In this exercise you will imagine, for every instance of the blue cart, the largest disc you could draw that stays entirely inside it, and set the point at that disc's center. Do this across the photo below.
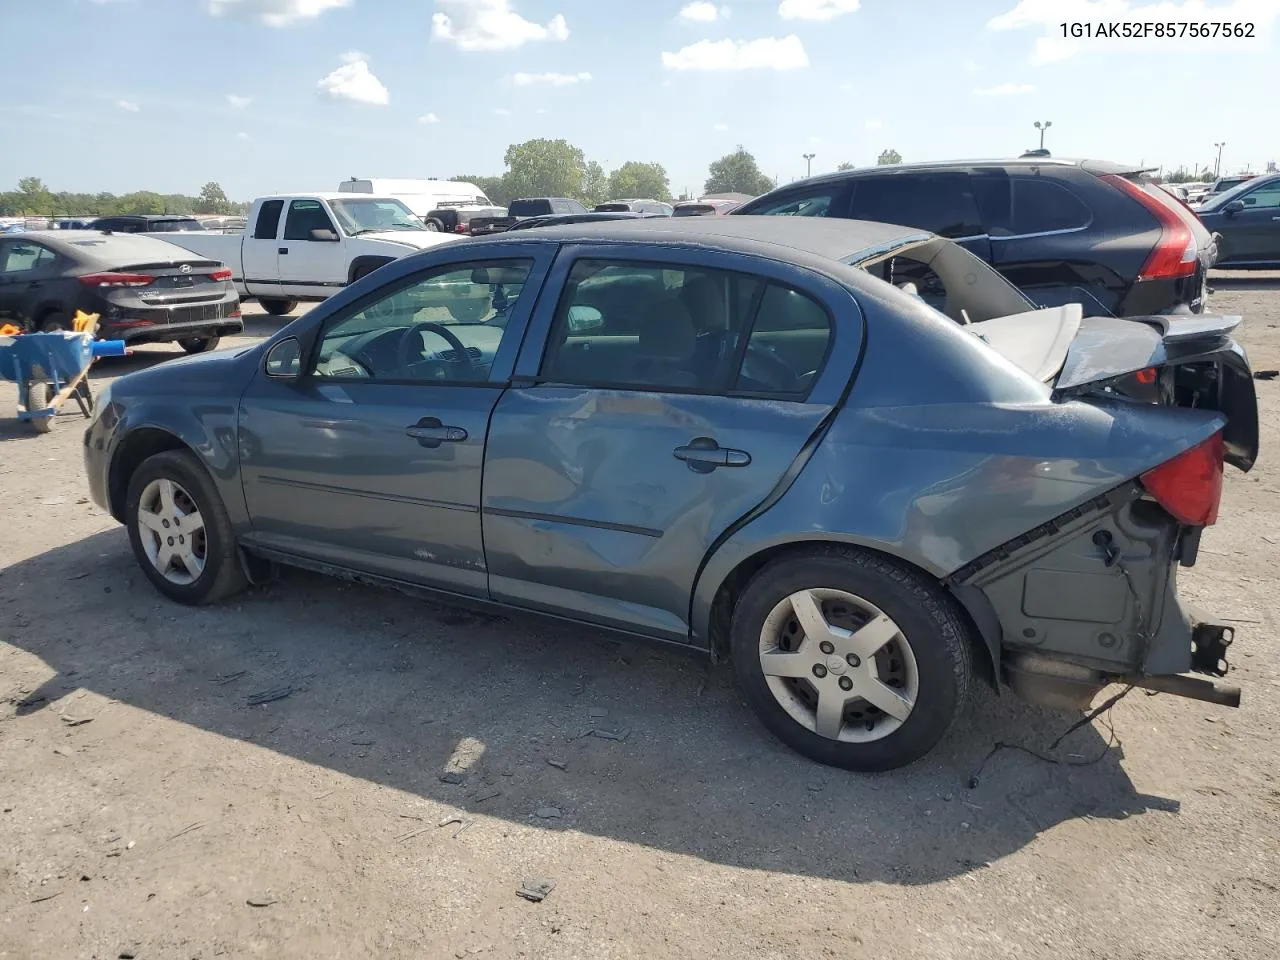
(50, 369)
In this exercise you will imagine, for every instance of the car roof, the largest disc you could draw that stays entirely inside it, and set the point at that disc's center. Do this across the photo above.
(110, 249)
(327, 195)
(149, 217)
(829, 238)
(1097, 167)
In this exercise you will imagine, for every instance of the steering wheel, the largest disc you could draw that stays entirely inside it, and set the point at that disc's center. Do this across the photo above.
(407, 341)
(785, 376)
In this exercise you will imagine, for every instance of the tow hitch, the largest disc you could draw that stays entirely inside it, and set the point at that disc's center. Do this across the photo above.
(1209, 643)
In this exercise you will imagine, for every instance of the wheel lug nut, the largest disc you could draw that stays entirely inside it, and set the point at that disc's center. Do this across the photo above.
(827, 647)
(854, 660)
(819, 671)
(171, 541)
(846, 683)
(165, 522)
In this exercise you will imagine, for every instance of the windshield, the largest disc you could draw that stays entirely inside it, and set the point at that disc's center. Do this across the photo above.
(1222, 199)
(374, 216)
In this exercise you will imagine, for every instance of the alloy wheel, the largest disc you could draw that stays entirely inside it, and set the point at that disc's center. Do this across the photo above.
(172, 531)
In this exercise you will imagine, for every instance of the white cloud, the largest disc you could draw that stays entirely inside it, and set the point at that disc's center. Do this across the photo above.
(701, 11)
(501, 112)
(549, 79)
(129, 106)
(242, 135)
(767, 53)
(428, 118)
(1047, 16)
(816, 9)
(490, 25)
(354, 81)
(238, 102)
(275, 13)
(1005, 90)
(873, 124)
(720, 127)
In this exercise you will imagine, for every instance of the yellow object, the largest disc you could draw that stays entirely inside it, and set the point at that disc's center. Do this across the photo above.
(84, 322)
(9, 330)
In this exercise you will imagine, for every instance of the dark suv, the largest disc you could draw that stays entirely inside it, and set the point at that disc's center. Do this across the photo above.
(146, 223)
(1087, 231)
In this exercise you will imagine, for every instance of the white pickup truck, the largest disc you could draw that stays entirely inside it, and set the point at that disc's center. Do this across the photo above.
(309, 246)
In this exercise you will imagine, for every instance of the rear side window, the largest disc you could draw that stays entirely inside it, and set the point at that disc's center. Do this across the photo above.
(174, 226)
(943, 203)
(818, 203)
(1043, 206)
(529, 208)
(268, 226)
(652, 326)
(22, 256)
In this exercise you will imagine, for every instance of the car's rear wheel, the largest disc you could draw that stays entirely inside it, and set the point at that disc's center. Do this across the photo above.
(199, 344)
(180, 532)
(277, 307)
(850, 658)
(54, 322)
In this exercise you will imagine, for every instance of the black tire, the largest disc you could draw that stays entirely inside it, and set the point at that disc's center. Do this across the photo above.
(435, 226)
(468, 311)
(276, 307)
(199, 344)
(928, 619)
(38, 397)
(222, 576)
(53, 322)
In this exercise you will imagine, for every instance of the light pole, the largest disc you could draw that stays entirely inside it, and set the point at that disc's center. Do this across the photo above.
(808, 164)
(1217, 164)
(1042, 127)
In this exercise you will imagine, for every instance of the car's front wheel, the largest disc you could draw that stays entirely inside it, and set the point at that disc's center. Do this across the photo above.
(180, 532)
(850, 658)
(199, 344)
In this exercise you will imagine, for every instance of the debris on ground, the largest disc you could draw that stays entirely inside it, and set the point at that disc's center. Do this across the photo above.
(486, 794)
(451, 776)
(536, 890)
(1266, 374)
(263, 901)
(270, 696)
(548, 813)
(612, 734)
(558, 764)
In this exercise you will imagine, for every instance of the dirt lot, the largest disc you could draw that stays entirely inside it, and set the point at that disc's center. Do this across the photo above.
(150, 811)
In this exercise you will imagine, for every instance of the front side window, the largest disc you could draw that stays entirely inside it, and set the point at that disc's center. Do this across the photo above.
(648, 326)
(1263, 198)
(305, 216)
(444, 327)
(22, 256)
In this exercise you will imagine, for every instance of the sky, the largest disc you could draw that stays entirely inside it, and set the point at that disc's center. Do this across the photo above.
(296, 95)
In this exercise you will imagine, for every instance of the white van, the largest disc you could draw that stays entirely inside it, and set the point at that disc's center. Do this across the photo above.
(420, 196)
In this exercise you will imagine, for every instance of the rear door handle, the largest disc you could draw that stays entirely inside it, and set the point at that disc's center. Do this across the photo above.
(430, 433)
(282, 250)
(703, 455)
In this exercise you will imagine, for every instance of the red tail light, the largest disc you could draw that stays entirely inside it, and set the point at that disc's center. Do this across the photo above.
(117, 280)
(460, 228)
(1176, 253)
(219, 275)
(1190, 485)
(235, 313)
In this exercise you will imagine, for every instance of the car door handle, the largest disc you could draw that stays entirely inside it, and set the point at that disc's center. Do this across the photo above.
(703, 455)
(282, 250)
(1275, 218)
(430, 433)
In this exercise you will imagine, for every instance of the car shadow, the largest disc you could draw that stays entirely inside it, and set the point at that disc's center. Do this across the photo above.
(624, 741)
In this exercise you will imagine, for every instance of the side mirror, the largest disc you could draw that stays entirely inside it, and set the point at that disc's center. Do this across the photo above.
(584, 318)
(284, 360)
(324, 235)
(1235, 206)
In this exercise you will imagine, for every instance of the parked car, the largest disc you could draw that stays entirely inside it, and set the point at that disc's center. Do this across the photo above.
(704, 208)
(420, 196)
(1062, 231)
(648, 208)
(521, 209)
(457, 219)
(1223, 184)
(308, 246)
(730, 434)
(1246, 221)
(144, 290)
(559, 219)
(146, 223)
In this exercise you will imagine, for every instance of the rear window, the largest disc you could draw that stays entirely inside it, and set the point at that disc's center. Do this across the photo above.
(613, 208)
(941, 202)
(699, 210)
(529, 208)
(174, 226)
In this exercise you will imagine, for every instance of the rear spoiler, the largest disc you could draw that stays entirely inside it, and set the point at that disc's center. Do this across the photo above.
(1107, 351)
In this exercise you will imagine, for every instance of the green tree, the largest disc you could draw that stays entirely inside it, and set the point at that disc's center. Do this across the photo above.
(143, 202)
(646, 181)
(737, 172)
(34, 197)
(595, 185)
(212, 199)
(494, 188)
(888, 156)
(846, 165)
(544, 168)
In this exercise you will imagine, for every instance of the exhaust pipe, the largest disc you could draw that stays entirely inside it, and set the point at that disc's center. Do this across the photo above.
(1193, 688)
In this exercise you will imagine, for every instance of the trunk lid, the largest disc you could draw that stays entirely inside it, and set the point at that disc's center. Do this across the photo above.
(182, 282)
(1180, 361)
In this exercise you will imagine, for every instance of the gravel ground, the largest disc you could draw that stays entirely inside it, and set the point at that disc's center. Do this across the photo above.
(426, 762)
